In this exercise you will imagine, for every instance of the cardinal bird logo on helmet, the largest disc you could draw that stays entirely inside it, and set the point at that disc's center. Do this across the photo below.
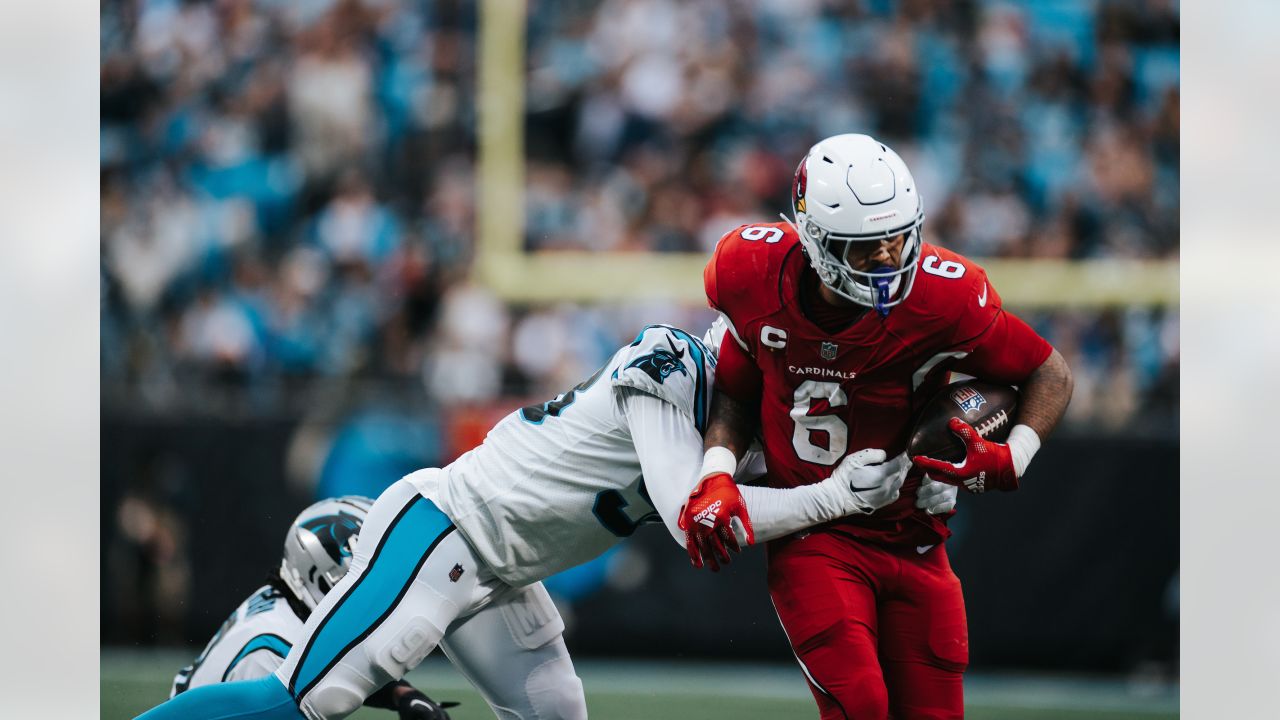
(799, 185)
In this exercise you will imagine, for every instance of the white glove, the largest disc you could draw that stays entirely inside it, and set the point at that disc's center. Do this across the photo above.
(936, 497)
(871, 482)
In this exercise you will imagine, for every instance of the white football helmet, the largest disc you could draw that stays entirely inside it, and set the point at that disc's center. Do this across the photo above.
(851, 189)
(317, 550)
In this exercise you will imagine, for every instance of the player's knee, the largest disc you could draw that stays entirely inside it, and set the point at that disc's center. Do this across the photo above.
(555, 691)
(331, 701)
(407, 643)
(337, 696)
(949, 650)
(932, 690)
(843, 663)
(862, 695)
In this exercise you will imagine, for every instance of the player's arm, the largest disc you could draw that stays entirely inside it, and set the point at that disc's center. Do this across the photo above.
(668, 445)
(1009, 352)
(735, 409)
(720, 516)
(1045, 395)
(714, 516)
(862, 483)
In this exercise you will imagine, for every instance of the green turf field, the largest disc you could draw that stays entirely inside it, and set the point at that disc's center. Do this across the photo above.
(619, 690)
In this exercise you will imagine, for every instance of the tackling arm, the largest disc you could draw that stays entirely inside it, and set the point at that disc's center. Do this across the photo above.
(668, 445)
(776, 512)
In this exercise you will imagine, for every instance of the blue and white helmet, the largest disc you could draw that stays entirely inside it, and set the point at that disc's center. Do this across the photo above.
(851, 189)
(318, 548)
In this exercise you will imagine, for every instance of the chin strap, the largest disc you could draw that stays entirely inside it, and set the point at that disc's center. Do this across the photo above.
(882, 287)
(790, 222)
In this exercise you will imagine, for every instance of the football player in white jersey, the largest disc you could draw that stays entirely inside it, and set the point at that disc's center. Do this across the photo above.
(256, 638)
(453, 556)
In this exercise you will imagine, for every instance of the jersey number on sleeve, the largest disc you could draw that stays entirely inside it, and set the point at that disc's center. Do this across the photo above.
(949, 269)
(611, 505)
(813, 428)
(535, 414)
(761, 232)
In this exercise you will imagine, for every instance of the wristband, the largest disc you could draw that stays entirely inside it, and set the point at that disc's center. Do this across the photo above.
(718, 460)
(1023, 443)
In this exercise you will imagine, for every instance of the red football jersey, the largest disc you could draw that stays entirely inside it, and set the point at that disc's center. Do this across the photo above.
(824, 395)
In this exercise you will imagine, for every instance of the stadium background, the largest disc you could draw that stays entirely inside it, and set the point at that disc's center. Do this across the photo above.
(340, 239)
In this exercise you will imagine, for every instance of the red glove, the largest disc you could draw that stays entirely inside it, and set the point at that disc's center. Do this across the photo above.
(705, 520)
(986, 464)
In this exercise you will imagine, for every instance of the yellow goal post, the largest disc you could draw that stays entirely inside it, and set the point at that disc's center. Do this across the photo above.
(547, 277)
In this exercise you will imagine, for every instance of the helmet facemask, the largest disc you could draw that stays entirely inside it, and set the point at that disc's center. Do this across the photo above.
(881, 287)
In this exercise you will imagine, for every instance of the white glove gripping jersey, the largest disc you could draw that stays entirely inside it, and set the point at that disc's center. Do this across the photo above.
(250, 644)
(556, 484)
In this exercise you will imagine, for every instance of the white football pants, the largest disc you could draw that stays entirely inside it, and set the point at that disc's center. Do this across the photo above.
(415, 583)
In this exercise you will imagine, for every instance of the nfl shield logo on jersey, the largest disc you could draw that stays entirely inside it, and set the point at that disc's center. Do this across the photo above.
(828, 351)
(968, 399)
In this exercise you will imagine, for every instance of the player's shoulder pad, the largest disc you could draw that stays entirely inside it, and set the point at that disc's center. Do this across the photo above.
(671, 364)
(954, 292)
(741, 279)
(951, 281)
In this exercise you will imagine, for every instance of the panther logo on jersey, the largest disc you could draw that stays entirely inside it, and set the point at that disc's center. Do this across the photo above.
(335, 533)
(661, 363)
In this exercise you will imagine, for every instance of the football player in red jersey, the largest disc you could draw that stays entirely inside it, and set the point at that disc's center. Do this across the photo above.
(841, 325)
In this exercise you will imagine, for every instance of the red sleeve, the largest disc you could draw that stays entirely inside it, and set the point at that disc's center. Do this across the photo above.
(742, 272)
(737, 374)
(1009, 351)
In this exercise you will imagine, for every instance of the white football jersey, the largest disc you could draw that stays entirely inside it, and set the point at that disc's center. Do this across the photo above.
(250, 644)
(554, 485)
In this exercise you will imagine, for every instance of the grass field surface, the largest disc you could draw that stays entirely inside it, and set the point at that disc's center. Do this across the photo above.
(624, 690)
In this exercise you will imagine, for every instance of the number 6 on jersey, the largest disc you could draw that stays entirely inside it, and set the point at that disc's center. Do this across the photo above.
(807, 425)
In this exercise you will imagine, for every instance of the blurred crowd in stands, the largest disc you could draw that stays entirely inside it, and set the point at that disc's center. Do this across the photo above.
(288, 195)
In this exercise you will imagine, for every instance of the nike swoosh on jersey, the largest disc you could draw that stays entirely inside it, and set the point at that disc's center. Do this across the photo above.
(982, 299)
(922, 549)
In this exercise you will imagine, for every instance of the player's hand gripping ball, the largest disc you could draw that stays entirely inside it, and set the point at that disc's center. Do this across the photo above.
(959, 436)
(707, 521)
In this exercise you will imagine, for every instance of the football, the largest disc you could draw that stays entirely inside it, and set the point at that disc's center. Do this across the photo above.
(988, 407)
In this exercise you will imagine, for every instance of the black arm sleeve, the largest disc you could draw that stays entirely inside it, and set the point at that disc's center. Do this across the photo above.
(385, 698)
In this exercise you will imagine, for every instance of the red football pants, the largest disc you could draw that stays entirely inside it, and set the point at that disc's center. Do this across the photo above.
(879, 632)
